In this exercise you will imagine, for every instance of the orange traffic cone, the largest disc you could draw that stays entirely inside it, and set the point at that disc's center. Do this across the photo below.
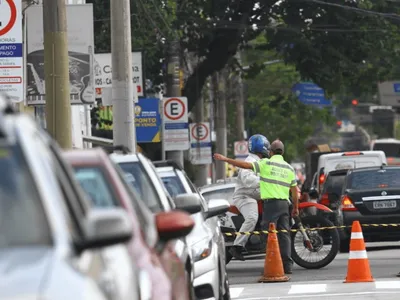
(358, 269)
(273, 266)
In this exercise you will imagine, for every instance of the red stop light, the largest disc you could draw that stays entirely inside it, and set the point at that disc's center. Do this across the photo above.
(354, 102)
(339, 123)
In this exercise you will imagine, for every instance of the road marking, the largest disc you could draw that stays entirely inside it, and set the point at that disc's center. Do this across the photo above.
(319, 295)
(235, 292)
(307, 288)
(387, 284)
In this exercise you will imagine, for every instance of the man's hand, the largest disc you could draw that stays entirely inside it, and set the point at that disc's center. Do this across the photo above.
(218, 156)
(295, 211)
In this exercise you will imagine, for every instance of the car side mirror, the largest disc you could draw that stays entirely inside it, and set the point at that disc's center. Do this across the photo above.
(106, 227)
(217, 207)
(173, 225)
(313, 193)
(189, 203)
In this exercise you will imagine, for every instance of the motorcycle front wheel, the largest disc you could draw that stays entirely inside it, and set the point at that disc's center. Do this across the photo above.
(325, 243)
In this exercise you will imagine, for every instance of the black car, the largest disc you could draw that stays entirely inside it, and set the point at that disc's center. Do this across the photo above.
(371, 196)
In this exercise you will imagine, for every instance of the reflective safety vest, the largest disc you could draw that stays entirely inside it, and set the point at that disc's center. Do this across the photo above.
(276, 177)
(106, 117)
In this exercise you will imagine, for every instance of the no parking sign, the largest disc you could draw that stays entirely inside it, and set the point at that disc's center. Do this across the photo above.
(200, 143)
(175, 124)
(241, 149)
(11, 63)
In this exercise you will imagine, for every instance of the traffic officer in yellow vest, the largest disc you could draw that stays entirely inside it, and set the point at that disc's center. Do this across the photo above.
(277, 180)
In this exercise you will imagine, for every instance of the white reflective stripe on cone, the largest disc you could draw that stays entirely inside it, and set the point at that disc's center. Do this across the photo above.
(358, 254)
(357, 235)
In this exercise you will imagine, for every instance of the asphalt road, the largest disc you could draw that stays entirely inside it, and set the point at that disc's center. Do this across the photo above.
(326, 283)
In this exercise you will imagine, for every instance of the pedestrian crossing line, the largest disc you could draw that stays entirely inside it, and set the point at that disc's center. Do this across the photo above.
(235, 292)
(387, 284)
(307, 288)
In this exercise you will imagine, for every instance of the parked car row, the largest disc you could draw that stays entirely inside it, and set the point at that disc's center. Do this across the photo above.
(360, 186)
(105, 224)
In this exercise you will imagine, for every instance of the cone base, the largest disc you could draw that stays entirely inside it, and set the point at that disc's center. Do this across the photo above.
(359, 280)
(273, 279)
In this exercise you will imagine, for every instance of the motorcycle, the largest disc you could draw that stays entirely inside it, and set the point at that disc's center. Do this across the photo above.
(312, 242)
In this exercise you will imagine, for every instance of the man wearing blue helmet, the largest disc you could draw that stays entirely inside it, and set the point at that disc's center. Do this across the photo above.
(247, 192)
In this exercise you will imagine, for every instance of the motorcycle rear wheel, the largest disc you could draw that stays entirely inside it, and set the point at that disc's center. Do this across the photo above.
(312, 222)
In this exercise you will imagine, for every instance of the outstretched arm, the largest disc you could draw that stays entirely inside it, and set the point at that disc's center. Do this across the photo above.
(234, 162)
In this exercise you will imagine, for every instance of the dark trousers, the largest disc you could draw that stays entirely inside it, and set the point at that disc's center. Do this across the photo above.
(278, 212)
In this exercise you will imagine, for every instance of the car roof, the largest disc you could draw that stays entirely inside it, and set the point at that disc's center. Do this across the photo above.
(164, 169)
(120, 158)
(373, 169)
(217, 186)
(340, 154)
(85, 156)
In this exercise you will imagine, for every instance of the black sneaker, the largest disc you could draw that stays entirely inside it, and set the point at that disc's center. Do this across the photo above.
(288, 269)
(236, 252)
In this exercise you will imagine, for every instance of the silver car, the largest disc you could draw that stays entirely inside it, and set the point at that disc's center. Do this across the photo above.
(52, 245)
(206, 239)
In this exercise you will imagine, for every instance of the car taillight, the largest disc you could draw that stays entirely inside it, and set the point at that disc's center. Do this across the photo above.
(321, 178)
(347, 204)
(324, 199)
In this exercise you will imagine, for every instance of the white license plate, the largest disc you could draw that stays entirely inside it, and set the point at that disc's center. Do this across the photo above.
(384, 204)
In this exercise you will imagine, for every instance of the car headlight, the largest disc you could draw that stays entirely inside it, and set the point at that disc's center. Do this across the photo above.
(202, 249)
(145, 285)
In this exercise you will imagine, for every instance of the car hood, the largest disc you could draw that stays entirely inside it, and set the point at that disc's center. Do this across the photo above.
(22, 271)
(200, 230)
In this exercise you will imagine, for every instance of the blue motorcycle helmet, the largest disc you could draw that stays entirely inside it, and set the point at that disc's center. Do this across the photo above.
(259, 144)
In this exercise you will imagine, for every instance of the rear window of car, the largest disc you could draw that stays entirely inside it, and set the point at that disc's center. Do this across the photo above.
(173, 185)
(23, 220)
(226, 194)
(140, 181)
(334, 184)
(371, 179)
(96, 186)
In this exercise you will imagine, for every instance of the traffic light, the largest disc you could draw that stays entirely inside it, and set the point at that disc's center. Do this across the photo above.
(338, 124)
(354, 102)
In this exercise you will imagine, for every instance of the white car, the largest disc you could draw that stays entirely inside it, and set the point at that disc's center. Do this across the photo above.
(222, 190)
(206, 239)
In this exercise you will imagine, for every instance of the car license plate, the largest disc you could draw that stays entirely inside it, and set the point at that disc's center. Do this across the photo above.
(384, 204)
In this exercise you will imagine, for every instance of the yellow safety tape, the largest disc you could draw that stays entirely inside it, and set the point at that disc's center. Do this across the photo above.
(310, 229)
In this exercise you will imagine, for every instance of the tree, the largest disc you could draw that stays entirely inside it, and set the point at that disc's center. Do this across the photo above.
(333, 43)
(273, 110)
(146, 33)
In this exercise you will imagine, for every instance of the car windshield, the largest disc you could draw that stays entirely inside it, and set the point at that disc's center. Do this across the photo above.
(334, 184)
(22, 218)
(140, 181)
(96, 186)
(226, 194)
(390, 149)
(384, 178)
(174, 185)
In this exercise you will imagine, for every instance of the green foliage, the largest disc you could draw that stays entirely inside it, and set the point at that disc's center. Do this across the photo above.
(147, 35)
(334, 44)
(276, 113)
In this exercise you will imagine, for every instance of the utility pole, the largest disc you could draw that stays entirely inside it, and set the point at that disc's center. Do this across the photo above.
(201, 170)
(56, 67)
(220, 121)
(174, 88)
(122, 85)
(240, 123)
